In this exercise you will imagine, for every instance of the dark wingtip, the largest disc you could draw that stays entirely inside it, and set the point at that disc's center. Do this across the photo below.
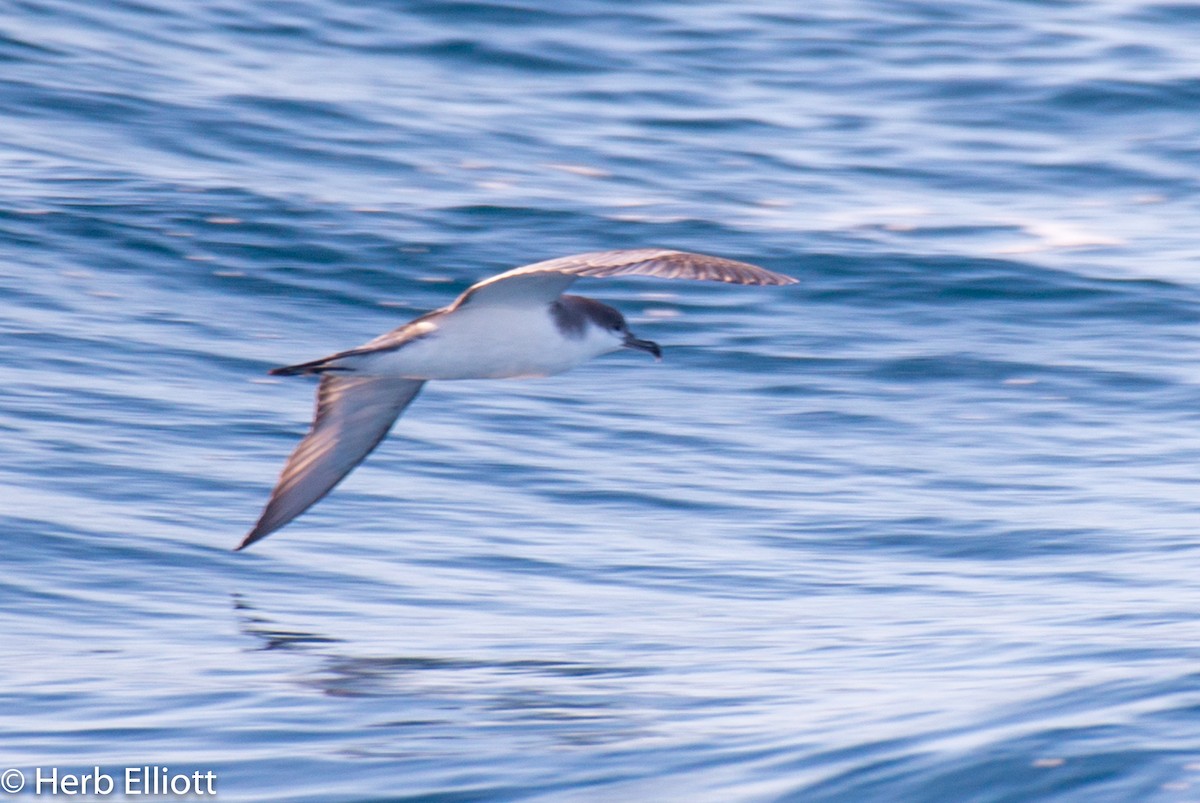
(251, 537)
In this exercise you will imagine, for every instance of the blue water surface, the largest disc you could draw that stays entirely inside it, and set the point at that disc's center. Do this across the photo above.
(922, 527)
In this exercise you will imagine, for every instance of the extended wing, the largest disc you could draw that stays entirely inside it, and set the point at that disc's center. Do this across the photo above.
(353, 415)
(542, 282)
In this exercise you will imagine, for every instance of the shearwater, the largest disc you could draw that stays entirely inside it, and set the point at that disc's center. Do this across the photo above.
(515, 324)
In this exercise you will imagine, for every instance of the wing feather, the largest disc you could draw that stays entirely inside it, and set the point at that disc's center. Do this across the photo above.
(353, 414)
(544, 281)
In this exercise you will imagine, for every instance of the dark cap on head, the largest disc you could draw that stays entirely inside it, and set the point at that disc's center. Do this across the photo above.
(573, 313)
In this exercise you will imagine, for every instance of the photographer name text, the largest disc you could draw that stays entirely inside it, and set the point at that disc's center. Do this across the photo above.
(144, 781)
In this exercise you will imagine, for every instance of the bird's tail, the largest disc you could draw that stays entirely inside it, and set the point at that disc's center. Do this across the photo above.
(320, 366)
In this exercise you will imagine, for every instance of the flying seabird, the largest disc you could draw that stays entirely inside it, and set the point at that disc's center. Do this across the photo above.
(515, 324)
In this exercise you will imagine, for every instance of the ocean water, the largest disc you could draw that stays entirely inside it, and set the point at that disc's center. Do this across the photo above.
(923, 527)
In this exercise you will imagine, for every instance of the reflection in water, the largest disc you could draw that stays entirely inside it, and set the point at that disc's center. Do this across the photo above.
(251, 623)
(580, 703)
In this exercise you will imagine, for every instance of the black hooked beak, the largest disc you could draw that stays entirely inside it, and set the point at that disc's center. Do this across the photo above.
(632, 342)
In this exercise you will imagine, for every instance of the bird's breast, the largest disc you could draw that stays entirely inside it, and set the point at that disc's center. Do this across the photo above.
(489, 343)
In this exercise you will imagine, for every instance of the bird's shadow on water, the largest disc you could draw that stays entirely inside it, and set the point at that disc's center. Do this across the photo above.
(341, 674)
(268, 636)
(558, 703)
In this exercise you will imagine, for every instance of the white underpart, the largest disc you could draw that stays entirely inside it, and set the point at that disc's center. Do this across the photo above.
(490, 342)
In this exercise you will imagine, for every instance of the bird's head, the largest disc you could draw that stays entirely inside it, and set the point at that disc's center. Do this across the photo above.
(600, 324)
